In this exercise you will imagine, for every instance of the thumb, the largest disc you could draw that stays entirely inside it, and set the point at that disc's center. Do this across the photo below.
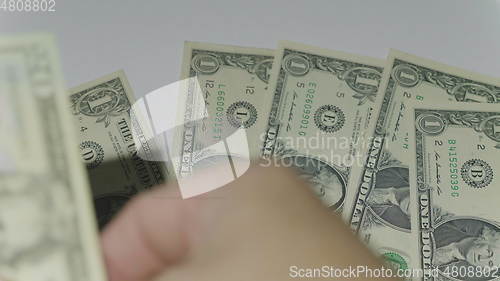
(151, 233)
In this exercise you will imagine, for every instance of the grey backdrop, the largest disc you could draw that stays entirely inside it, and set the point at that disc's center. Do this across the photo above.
(145, 38)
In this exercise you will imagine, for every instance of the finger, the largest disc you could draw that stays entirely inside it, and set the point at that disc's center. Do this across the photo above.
(151, 233)
(158, 228)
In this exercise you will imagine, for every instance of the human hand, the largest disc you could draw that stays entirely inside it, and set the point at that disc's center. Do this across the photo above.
(254, 228)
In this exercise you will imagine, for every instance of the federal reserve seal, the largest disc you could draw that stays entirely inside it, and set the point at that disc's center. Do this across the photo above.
(241, 113)
(329, 118)
(92, 153)
(477, 173)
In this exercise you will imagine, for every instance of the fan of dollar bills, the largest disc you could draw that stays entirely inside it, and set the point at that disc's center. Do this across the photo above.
(406, 150)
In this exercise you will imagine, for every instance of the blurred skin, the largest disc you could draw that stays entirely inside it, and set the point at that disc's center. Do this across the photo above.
(254, 228)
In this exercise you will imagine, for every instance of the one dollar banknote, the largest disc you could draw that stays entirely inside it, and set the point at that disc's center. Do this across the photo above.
(378, 205)
(48, 229)
(116, 170)
(455, 154)
(322, 105)
(223, 110)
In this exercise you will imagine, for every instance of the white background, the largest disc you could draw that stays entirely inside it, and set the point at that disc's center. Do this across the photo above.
(145, 38)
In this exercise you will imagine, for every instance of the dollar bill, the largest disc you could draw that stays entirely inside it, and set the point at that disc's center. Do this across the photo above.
(455, 154)
(48, 230)
(323, 102)
(378, 203)
(17, 109)
(101, 110)
(233, 83)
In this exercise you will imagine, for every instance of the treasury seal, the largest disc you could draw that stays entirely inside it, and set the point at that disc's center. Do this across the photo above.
(329, 118)
(92, 153)
(395, 260)
(241, 113)
(477, 173)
